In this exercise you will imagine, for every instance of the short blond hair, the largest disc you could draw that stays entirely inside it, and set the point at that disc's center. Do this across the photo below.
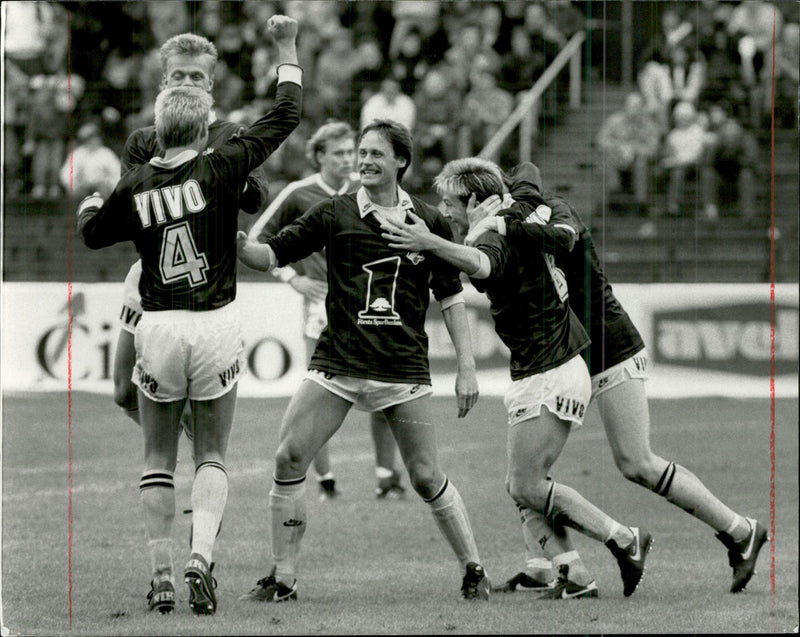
(181, 114)
(188, 44)
(330, 130)
(463, 177)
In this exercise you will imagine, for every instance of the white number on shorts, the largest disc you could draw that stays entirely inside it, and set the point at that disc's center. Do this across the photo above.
(179, 257)
(557, 274)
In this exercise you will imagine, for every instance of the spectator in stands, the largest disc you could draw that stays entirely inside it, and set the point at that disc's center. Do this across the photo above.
(753, 23)
(53, 96)
(522, 65)
(787, 78)
(91, 167)
(723, 73)
(459, 58)
(367, 80)
(336, 65)
(409, 64)
(684, 148)
(545, 37)
(729, 170)
(687, 74)
(437, 109)
(630, 139)
(228, 89)
(389, 103)
(486, 105)
(15, 107)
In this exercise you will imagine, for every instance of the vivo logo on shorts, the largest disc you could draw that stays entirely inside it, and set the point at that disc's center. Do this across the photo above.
(731, 338)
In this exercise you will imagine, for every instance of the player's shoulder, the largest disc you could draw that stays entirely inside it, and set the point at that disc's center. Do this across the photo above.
(425, 210)
(143, 135)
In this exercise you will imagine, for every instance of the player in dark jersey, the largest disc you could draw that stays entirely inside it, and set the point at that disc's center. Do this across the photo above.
(181, 213)
(331, 149)
(550, 386)
(618, 365)
(373, 353)
(186, 60)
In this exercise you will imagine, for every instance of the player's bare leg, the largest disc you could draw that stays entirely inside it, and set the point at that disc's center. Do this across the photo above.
(161, 429)
(322, 459)
(385, 453)
(626, 417)
(416, 438)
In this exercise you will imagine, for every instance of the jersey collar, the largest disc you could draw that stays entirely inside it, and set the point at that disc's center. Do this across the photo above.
(330, 191)
(181, 158)
(365, 205)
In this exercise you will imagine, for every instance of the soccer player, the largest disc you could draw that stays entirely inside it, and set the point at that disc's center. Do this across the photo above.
(617, 362)
(181, 213)
(331, 150)
(550, 385)
(186, 60)
(373, 353)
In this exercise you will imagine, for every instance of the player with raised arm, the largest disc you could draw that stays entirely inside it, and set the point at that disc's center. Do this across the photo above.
(181, 211)
(186, 60)
(550, 385)
(331, 150)
(373, 353)
(617, 362)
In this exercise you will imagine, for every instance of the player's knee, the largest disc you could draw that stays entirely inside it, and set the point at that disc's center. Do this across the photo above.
(638, 468)
(290, 459)
(423, 478)
(531, 494)
(125, 396)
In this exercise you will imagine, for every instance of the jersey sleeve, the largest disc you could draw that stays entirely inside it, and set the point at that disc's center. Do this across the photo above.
(550, 226)
(445, 278)
(101, 224)
(304, 236)
(131, 300)
(496, 249)
(241, 155)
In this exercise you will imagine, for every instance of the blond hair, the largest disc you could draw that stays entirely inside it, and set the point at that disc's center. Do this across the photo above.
(330, 130)
(463, 177)
(188, 44)
(181, 114)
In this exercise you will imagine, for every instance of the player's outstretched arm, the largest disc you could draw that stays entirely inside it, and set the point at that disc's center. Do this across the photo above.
(255, 255)
(417, 237)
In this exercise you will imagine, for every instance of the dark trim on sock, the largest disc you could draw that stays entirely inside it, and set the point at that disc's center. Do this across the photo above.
(288, 483)
(211, 463)
(156, 479)
(665, 482)
(440, 492)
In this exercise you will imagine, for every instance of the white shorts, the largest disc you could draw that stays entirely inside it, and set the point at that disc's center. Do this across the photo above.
(633, 367)
(131, 312)
(564, 390)
(180, 354)
(366, 394)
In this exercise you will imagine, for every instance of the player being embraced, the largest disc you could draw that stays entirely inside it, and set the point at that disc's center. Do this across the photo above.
(181, 213)
(331, 150)
(550, 385)
(373, 353)
(617, 362)
(186, 60)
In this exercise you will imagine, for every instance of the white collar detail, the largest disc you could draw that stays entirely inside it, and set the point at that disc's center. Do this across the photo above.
(180, 158)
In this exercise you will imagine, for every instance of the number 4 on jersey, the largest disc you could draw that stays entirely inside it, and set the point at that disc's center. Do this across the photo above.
(179, 257)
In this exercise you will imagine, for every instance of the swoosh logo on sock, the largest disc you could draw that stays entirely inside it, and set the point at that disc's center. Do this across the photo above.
(746, 554)
(635, 554)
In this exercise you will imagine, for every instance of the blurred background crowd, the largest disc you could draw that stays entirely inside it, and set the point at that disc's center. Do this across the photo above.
(697, 100)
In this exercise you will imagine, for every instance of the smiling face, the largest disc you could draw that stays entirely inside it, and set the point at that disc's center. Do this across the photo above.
(189, 70)
(377, 163)
(455, 211)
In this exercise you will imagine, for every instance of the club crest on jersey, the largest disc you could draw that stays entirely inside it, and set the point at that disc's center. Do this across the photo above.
(415, 257)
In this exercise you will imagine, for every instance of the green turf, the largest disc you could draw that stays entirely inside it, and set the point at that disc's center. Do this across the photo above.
(371, 567)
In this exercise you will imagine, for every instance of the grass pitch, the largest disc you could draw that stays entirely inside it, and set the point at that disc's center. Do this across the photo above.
(373, 567)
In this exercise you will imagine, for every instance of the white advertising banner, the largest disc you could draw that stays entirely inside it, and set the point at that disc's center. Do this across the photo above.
(702, 339)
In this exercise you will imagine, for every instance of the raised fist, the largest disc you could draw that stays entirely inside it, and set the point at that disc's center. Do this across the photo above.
(282, 28)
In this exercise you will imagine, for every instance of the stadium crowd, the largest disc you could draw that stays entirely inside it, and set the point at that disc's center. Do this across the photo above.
(70, 64)
(452, 72)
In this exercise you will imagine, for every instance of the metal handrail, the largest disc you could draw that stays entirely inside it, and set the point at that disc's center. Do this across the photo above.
(569, 54)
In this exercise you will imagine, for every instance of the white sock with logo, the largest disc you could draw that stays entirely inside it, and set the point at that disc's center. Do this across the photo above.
(451, 516)
(287, 507)
(209, 495)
